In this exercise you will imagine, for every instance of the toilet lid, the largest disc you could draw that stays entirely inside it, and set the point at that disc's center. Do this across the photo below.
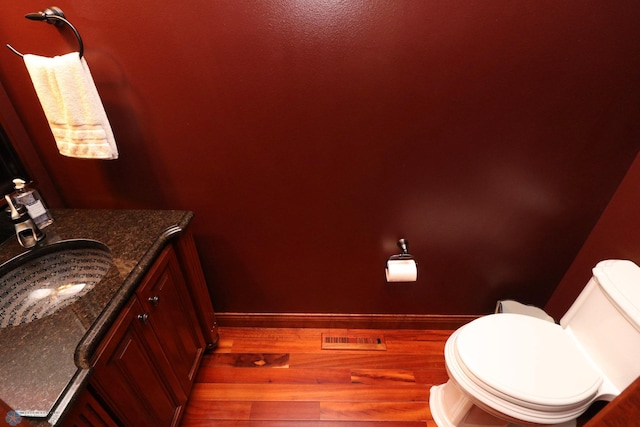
(620, 279)
(526, 360)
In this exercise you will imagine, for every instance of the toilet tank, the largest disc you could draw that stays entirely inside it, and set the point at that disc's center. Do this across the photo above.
(605, 321)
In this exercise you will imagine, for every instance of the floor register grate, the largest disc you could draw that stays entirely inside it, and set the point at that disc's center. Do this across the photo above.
(353, 342)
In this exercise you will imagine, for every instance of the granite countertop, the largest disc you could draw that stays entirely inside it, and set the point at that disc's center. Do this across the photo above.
(45, 363)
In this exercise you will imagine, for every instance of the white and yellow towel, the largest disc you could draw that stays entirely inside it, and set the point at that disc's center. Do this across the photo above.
(72, 106)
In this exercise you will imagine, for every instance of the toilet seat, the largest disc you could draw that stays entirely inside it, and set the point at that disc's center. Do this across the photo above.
(526, 368)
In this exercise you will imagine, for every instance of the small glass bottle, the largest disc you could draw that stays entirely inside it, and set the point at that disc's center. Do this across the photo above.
(31, 199)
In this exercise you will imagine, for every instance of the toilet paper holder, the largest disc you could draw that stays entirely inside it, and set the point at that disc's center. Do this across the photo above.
(402, 267)
(403, 244)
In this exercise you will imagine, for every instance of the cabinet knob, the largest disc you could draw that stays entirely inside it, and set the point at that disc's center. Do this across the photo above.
(154, 300)
(144, 318)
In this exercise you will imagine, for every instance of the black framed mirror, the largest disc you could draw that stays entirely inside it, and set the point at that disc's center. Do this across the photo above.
(10, 165)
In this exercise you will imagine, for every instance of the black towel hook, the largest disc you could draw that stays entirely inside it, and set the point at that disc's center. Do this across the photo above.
(52, 15)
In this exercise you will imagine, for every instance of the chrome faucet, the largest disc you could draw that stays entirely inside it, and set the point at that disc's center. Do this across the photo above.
(27, 231)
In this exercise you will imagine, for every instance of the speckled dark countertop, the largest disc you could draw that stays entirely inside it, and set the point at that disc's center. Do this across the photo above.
(43, 364)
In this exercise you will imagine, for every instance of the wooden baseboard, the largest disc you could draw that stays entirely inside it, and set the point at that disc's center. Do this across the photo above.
(352, 321)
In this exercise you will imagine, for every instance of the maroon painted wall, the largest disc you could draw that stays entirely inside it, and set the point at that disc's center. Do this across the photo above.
(309, 136)
(615, 236)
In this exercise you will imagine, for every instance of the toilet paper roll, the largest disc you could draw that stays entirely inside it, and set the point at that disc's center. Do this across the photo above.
(405, 270)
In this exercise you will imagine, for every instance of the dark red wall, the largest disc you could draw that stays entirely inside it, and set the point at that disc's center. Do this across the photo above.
(309, 136)
(615, 236)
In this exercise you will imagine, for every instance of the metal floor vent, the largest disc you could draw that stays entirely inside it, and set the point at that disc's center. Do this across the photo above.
(353, 342)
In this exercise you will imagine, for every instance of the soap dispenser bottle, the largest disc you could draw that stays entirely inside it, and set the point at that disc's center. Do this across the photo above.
(31, 199)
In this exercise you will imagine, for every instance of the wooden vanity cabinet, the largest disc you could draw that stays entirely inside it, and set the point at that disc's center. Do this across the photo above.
(192, 269)
(145, 367)
(169, 310)
(133, 376)
(88, 412)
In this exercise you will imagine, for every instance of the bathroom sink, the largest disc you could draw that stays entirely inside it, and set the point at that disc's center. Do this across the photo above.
(46, 279)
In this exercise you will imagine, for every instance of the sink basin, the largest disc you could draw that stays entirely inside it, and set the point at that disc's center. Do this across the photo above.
(46, 279)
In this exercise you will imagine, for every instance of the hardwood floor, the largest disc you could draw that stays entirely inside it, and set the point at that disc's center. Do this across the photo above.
(284, 378)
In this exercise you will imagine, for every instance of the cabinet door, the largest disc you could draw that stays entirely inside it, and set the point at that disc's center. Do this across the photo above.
(88, 412)
(133, 376)
(164, 295)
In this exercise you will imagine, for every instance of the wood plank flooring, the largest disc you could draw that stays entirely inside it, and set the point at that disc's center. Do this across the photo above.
(283, 378)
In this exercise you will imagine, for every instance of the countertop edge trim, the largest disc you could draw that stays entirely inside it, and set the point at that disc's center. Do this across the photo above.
(89, 343)
(69, 395)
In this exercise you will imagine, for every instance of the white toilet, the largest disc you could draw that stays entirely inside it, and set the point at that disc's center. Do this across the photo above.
(511, 369)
